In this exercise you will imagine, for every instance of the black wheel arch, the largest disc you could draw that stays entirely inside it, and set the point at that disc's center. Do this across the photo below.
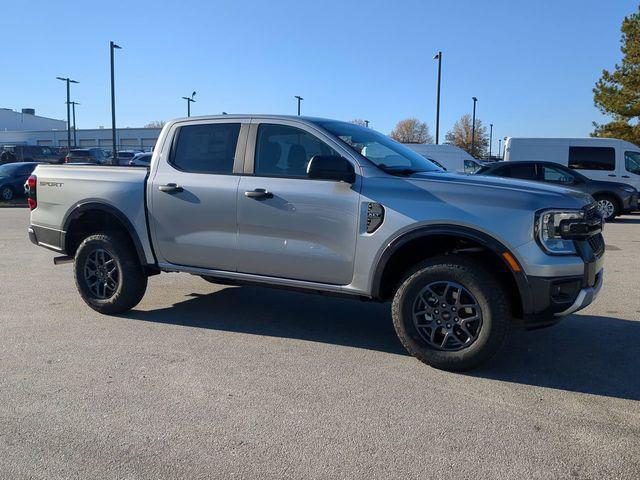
(86, 208)
(488, 242)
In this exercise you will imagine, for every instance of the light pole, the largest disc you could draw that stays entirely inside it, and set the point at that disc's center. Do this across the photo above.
(473, 127)
(499, 142)
(299, 101)
(189, 101)
(366, 123)
(114, 158)
(73, 109)
(69, 81)
(438, 56)
(490, 138)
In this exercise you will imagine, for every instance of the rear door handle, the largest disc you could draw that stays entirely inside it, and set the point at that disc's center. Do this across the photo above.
(626, 176)
(611, 175)
(258, 193)
(170, 188)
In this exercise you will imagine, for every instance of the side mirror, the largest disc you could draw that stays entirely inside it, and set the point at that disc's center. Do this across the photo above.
(331, 167)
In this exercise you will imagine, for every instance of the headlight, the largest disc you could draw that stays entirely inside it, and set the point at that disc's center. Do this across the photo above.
(548, 230)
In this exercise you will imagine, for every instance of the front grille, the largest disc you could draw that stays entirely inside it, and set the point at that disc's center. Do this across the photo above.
(597, 244)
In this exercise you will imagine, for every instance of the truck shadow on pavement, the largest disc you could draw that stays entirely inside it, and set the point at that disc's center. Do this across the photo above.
(584, 353)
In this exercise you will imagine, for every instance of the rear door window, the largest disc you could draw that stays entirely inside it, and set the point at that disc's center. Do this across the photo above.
(207, 148)
(524, 171)
(592, 158)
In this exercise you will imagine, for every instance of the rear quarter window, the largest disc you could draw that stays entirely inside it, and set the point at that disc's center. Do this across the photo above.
(592, 158)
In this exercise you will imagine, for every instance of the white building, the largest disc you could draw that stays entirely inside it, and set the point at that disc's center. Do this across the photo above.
(27, 120)
(126, 138)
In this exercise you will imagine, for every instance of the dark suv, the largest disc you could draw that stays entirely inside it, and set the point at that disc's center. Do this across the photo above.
(86, 155)
(613, 198)
(29, 153)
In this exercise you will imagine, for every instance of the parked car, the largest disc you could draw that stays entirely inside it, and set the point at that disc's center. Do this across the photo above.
(12, 179)
(125, 155)
(141, 159)
(28, 153)
(613, 198)
(313, 205)
(607, 159)
(86, 155)
(449, 157)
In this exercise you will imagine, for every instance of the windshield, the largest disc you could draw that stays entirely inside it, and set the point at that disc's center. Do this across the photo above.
(632, 162)
(384, 152)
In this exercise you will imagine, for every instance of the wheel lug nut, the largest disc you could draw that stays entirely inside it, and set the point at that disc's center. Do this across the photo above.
(448, 325)
(444, 305)
(435, 311)
(456, 319)
(453, 309)
(438, 322)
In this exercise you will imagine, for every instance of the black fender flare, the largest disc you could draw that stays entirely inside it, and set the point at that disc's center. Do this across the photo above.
(482, 238)
(79, 209)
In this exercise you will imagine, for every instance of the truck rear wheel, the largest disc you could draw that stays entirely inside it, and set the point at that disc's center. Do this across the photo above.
(451, 314)
(108, 273)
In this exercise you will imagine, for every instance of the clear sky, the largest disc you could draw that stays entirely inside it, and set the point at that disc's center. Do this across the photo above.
(532, 65)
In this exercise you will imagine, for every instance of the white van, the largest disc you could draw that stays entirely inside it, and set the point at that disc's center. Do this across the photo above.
(451, 158)
(607, 159)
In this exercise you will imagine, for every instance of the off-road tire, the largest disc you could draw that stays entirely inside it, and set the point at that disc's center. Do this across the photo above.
(491, 298)
(132, 279)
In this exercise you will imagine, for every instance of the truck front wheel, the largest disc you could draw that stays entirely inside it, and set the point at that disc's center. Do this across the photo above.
(450, 313)
(108, 273)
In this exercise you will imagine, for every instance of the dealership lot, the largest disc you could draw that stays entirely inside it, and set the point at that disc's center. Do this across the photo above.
(206, 381)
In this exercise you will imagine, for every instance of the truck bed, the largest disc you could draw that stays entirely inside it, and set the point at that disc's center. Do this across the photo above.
(63, 189)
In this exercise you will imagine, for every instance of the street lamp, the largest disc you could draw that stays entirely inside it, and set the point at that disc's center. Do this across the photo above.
(73, 108)
(438, 56)
(299, 101)
(69, 81)
(473, 127)
(114, 160)
(366, 123)
(499, 142)
(490, 138)
(189, 100)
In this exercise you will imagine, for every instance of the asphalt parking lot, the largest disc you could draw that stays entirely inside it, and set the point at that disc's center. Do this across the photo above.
(206, 381)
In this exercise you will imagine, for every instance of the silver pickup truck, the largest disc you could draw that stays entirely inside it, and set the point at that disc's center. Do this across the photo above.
(328, 207)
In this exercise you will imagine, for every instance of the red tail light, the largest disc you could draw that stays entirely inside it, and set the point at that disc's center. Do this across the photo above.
(31, 193)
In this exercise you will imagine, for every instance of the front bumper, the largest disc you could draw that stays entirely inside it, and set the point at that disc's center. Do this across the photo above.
(551, 298)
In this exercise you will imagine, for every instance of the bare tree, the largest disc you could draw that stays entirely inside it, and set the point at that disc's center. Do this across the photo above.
(359, 121)
(460, 136)
(411, 130)
(155, 124)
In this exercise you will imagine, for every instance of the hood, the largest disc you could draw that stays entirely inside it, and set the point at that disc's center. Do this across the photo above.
(540, 194)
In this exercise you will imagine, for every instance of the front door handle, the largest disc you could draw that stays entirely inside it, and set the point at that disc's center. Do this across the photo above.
(258, 193)
(170, 188)
(626, 176)
(611, 175)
